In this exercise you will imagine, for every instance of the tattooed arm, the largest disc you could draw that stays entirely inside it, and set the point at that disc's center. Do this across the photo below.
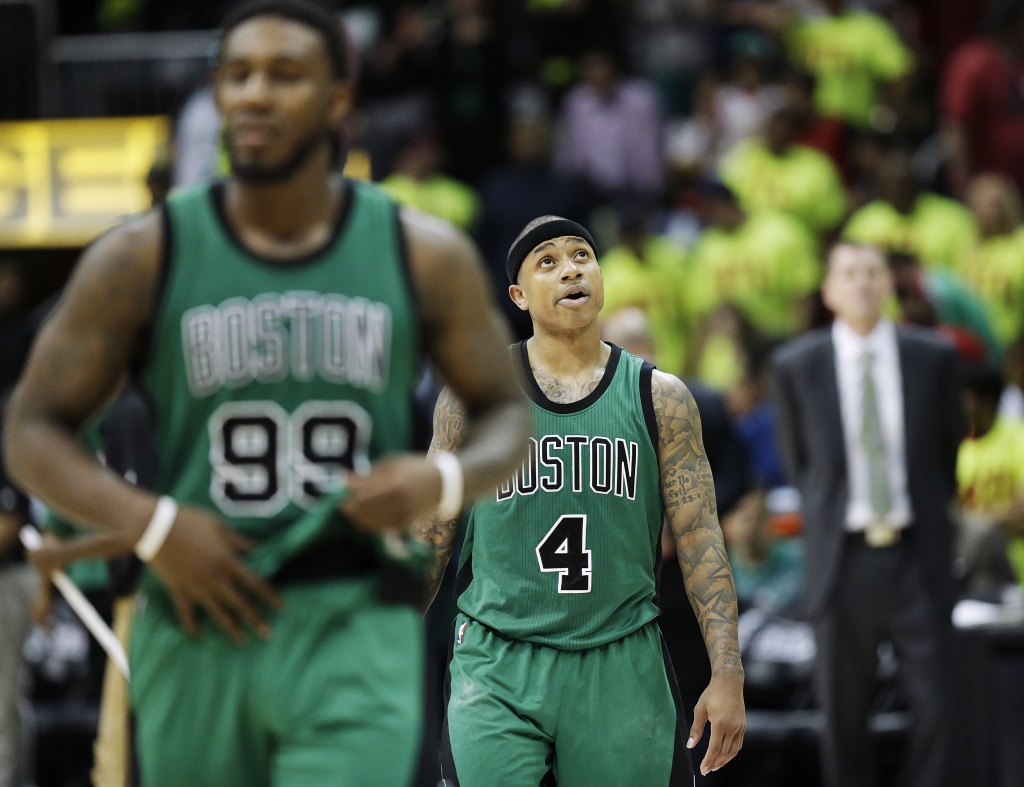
(689, 494)
(450, 428)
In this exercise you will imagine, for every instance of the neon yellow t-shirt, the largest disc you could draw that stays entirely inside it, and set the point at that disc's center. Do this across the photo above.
(990, 477)
(851, 55)
(764, 268)
(802, 182)
(994, 269)
(938, 231)
(439, 195)
(655, 285)
(990, 469)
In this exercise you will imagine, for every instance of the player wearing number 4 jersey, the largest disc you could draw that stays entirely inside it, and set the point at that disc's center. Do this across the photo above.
(558, 669)
(275, 322)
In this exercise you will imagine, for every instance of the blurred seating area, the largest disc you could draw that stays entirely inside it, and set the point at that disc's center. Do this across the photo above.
(716, 149)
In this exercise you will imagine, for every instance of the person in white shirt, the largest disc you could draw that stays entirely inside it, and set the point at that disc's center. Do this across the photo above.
(869, 422)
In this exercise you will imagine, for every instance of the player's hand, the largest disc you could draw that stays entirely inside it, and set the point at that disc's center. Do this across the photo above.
(722, 705)
(200, 565)
(51, 556)
(45, 560)
(397, 491)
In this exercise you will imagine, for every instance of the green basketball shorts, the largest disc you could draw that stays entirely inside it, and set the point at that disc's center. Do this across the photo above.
(523, 715)
(333, 698)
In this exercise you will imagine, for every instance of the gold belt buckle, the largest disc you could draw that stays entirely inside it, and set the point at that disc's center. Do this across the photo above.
(879, 535)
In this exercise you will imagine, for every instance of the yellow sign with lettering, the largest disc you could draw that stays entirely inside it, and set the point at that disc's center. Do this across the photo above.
(63, 182)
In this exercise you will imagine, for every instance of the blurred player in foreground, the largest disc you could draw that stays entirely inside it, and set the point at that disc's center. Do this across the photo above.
(274, 321)
(558, 664)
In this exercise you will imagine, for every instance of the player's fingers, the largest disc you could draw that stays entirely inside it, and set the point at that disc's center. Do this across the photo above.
(714, 749)
(258, 586)
(216, 610)
(186, 610)
(729, 749)
(700, 719)
(736, 744)
(240, 606)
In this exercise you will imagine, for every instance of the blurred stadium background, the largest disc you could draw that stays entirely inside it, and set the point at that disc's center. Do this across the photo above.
(716, 148)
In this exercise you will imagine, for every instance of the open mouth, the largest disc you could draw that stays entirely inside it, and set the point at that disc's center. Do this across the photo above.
(575, 297)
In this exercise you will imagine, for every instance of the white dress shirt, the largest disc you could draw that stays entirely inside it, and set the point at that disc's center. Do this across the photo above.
(849, 354)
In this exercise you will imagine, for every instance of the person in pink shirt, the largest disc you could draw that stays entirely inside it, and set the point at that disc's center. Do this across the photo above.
(609, 132)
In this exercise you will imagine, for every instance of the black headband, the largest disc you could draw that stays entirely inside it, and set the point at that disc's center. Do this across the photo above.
(555, 228)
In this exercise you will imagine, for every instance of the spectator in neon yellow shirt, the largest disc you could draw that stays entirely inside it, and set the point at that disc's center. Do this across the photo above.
(854, 54)
(905, 219)
(777, 174)
(417, 181)
(648, 272)
(990, 464)
(764, 263)
(994, 268)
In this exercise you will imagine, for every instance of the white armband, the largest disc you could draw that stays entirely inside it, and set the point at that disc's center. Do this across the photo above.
(157, 529)
(452, 484)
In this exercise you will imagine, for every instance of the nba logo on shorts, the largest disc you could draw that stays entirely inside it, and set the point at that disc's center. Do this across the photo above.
(462, 631)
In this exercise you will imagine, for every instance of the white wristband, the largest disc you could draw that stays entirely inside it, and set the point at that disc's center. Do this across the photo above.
(157, 529)
(452, 484)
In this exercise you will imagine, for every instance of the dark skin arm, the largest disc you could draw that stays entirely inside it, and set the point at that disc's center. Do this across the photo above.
(688, 490)
(79, 359)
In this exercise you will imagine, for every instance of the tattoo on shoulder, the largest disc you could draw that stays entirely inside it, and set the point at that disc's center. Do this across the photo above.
(567, 393)
(686, 474)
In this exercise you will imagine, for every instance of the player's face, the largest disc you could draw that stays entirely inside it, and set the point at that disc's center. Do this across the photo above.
(857, 285)
(560, 283)
(277, 94)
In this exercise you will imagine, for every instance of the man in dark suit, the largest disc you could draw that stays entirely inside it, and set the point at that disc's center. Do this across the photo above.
(869, 424)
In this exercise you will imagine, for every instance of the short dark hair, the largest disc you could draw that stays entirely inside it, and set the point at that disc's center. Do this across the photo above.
(984, 381)
(304, 12)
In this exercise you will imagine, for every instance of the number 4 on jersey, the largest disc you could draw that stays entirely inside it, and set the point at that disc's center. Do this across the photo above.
(564, 551)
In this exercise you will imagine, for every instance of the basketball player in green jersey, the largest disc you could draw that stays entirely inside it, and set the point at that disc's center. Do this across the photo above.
(557, 663)
(274, 320)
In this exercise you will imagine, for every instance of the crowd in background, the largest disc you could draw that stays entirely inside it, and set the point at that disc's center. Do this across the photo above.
(716, 150)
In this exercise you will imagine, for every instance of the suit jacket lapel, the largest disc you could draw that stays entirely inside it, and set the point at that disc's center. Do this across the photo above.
(911, 376)
(830, 397)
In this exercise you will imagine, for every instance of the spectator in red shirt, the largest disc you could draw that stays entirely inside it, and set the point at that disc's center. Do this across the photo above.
(983, 101)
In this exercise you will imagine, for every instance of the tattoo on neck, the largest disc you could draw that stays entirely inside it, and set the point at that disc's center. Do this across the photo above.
(567, 392)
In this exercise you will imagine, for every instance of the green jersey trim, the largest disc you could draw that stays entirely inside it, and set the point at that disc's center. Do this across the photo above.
(317, 255)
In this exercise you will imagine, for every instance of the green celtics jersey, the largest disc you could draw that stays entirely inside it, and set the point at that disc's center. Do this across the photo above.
(566, 552)
(271, 381)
